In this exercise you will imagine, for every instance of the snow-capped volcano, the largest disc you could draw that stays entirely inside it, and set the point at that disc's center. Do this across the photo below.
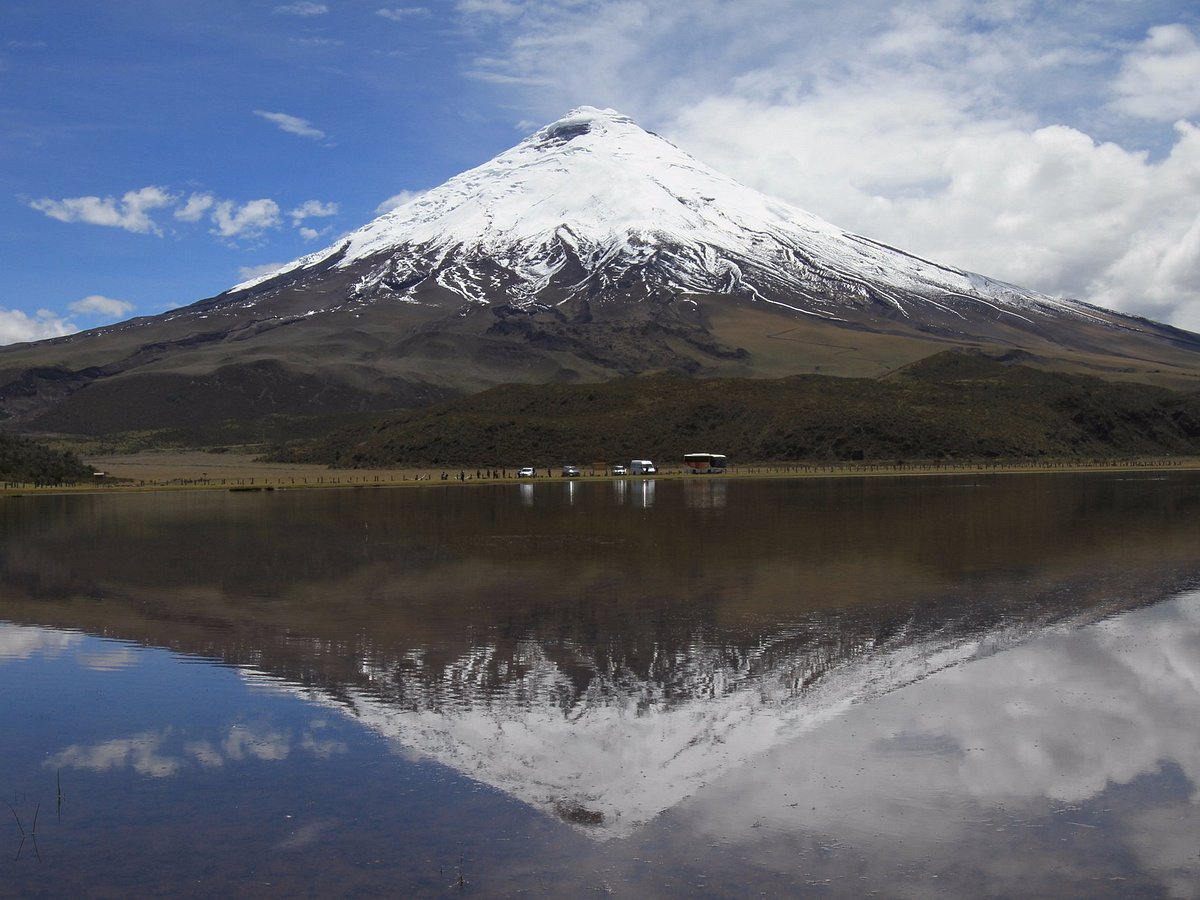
(590, 250)
(592, 203)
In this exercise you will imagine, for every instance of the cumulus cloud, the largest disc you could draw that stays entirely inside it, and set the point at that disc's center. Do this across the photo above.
(291, 124)
(245, 221)
(131, 212)
(231, 219)
(986, 136)
(1161, 78)
(313, 209)
(98, 305)
(303, 9)
(17, 326)
(397, 200)
(195, 208)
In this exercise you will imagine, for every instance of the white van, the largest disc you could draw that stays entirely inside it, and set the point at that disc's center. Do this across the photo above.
(642, 467)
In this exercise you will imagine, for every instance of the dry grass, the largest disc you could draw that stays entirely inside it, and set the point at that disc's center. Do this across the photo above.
(181, 470)
(197, 468)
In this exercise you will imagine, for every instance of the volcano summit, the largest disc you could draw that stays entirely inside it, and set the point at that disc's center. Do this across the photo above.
(591, 250)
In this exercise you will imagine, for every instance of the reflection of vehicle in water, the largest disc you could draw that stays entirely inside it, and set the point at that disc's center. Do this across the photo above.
(704, 463)
(619, 469)
(526, 472)
(705, 493)
(570, 471)
(642, 467)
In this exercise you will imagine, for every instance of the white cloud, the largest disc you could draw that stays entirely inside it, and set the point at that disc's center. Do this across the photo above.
(249, 273)
(313, 209)
(131, 212)
(102, 306)
(985, 136)
(195, 208)
(17, 326)
(1049, 208)
(402, 13)
(292, 124)
(1160, 79)
(310, 234)
(247, 221)
(397, 200)
(303, 9)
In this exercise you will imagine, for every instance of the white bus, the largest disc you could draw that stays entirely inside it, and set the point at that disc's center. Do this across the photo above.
(705, 463)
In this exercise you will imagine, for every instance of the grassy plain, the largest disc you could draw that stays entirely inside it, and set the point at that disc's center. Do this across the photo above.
(187, 470)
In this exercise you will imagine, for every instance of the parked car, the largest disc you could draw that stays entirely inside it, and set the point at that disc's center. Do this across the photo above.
(619, 469)
(570, 472)
(527, 472)
(642, 467)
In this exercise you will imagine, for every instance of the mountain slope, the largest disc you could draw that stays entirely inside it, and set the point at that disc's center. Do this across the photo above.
(951, 405)
(592, 249)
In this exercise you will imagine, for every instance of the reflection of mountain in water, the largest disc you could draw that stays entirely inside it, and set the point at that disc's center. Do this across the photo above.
(615, 752)
(593, 651)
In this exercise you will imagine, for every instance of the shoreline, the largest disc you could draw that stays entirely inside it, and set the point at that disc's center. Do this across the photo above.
(153, 471)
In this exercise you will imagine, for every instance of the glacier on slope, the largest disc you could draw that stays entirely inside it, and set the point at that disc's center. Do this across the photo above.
(592, 201)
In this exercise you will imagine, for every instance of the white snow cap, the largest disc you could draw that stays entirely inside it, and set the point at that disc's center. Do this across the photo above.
(593, 172)
(610, 191)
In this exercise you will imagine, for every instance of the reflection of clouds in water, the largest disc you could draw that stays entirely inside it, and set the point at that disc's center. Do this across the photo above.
(321, 749)
(305, 835)
(155, 753)
(142, 753)
(244, 742)
(22, 642)
(204, 753)
(1166, 841)
(109, 660)
(629, 748)
(1080, 710)
(19, 642)
(1013, 739)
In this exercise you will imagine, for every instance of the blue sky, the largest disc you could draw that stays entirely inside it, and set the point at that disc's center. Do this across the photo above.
(156, 152)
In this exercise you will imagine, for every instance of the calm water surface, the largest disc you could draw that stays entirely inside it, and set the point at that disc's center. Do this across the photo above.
(903, 688)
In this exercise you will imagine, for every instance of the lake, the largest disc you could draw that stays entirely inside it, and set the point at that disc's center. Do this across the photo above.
(980, 686)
